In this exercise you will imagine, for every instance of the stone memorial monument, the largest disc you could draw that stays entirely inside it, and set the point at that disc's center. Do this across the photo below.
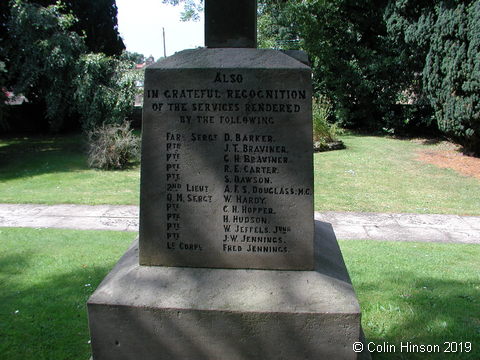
(230, 263)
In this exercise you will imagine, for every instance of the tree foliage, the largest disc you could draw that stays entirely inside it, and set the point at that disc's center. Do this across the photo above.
(4, 15)
(43, 54)
(104, 90)
(443, 39)
(3, 97)
(352, 60)
(452, 72)
(369, 54)
(97, 20)
(191, 8)
(96, 23)
(134, 57)
(50, 65)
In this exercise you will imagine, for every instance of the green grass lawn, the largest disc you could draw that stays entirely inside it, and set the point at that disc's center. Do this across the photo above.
(380, 174)
(425, 293)
(46, 277)
(53, 170)
(374, 174)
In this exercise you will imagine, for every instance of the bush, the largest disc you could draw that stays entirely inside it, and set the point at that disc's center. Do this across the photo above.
(411, 120)
(112, 146)
(322, 112)
(324, 133)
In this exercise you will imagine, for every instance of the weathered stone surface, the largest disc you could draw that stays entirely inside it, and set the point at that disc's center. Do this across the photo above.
(143, 312)
(298, 55)
(231, 23)
(227, 166)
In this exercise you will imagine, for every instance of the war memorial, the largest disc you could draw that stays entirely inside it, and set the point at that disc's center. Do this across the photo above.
(229, 263)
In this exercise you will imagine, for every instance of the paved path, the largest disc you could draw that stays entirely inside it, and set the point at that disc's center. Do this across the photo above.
(82, 217)
(404, 227)
(394, 227)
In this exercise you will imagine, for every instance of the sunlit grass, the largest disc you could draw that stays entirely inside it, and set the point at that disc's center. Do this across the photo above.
(380, 174)
(46, 277)
(423, 293)
(52, 170)
(374, 174)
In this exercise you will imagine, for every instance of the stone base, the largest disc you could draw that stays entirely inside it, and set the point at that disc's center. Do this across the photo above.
(143, 312)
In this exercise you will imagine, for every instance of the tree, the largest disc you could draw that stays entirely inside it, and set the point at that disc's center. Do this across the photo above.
(271, 33)
(442, 38)
(353, 63)
(105, 90)
(3, 97)
(50, 65)
(97, 20)
(191, 8)
(43, 53)
(4, 14)
(134, 57)
(452, 72)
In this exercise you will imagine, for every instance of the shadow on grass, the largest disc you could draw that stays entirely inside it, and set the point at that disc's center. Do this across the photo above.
(9, 264)
(432, 141)
(48, 320)
(432, 312)
(29, 156)
(45, 319)
(424, 139)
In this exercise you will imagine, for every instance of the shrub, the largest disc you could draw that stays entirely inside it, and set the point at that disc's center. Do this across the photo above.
(112, 146)
(411, 120)
(322, 112)
(324, 133)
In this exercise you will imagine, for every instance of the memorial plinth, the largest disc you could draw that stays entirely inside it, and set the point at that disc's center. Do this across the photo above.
(155, 312)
